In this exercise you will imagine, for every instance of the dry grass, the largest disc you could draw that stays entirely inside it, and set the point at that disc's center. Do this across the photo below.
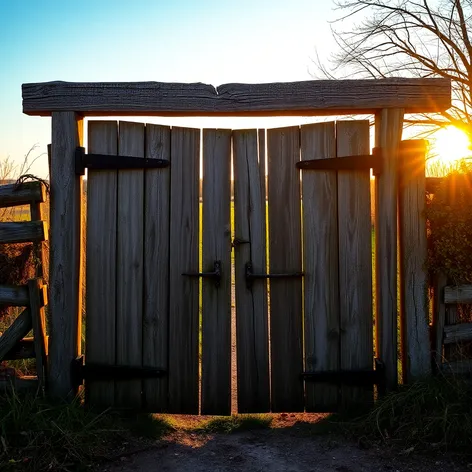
(435, 413)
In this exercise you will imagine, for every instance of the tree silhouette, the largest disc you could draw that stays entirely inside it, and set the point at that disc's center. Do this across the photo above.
(406, 38)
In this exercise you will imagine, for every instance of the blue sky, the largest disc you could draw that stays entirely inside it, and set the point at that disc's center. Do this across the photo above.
(138, 40)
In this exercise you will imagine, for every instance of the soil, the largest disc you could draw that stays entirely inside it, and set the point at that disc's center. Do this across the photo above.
(291, 445)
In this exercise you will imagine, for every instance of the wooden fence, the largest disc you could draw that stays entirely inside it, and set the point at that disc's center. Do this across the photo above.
(336, 208)
(33, 295)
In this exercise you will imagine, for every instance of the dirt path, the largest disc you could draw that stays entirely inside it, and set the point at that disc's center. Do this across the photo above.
(275, 450)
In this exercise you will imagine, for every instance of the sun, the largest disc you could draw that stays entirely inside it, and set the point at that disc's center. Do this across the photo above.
(449, 145)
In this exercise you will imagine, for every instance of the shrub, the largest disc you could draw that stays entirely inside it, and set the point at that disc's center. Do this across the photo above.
(449, 216)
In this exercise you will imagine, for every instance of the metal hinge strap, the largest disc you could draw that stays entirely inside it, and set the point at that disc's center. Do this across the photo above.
(361, 162)
(110, 162)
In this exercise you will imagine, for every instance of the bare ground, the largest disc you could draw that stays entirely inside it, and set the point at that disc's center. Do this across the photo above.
(291, 446)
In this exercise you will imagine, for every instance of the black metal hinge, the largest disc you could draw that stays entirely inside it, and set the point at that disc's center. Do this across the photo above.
(350, 377)
(110, 162)
(91, 371)
(362, 162)
(251, 276)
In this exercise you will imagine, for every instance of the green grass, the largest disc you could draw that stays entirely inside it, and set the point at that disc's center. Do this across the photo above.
(235, 423)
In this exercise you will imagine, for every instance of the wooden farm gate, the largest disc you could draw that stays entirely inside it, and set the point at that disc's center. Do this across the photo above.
(143, 273)
(296, 330)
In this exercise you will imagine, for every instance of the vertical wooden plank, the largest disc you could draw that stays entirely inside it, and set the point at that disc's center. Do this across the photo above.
(416, 358)
(355, 259)
(65, 252)
(184, 310)
(40, 256)
(439, 319)
(129, 264)
(285, 257)
(452, 352)
(216, 300)
(320, 256)
(250, 246)
(156, 266)
(388, 132)
(100, 328)
(38, 318)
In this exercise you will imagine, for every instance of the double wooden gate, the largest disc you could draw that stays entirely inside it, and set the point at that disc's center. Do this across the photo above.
(160, 259)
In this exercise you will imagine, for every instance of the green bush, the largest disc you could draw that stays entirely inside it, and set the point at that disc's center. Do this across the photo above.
(449, 217)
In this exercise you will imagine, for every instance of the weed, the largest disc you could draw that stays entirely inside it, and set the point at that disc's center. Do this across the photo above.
(432, 413)
(38, 435)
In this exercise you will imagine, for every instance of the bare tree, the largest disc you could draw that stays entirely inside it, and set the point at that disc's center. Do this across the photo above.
(395, 38)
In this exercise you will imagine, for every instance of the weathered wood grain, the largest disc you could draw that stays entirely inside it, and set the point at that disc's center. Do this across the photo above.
(14, 295)
(38, 318)
(416, 356)
(20, 384)
(388, 133)
(453, 352)
(285, 256)
(252, 338)
(23, 231)
(102, 197)
(457, 333)
(458, 294)
(23, 349)
(20, 327)
(355, 259)
(184, 249)
(130, 264)
(439, 318)
(320, 256)
(14, 195)
(290, 98)
(216, 301)
(457, 367)
(40, 252)
(66, 253)
(156, 266)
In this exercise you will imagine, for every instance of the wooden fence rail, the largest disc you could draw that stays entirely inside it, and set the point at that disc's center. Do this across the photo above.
(33, 295)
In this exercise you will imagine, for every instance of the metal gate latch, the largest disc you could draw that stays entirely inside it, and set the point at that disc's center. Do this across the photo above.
(215, 275)
(251, 276)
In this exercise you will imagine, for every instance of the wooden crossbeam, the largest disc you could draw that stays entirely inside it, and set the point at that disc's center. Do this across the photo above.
(317, 97)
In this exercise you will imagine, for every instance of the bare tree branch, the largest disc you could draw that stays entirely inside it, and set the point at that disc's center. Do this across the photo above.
(410, 38)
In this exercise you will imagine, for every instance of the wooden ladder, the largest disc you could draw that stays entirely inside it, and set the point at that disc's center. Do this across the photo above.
(33, 295)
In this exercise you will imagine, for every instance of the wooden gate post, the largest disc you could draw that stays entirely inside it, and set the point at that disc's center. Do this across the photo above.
(65, 267)
(416, 360)
(388, 132)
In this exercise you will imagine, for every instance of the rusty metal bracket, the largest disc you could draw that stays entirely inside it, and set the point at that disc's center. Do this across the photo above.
(251, 276)
(110, 162)
(91, 371)
(365, 161)
(215, 275)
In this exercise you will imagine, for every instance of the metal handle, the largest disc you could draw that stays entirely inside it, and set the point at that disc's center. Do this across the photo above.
(250, 276)
(215, 275)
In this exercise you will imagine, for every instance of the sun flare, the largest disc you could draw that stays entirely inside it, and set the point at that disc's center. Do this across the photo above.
(450, 144)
